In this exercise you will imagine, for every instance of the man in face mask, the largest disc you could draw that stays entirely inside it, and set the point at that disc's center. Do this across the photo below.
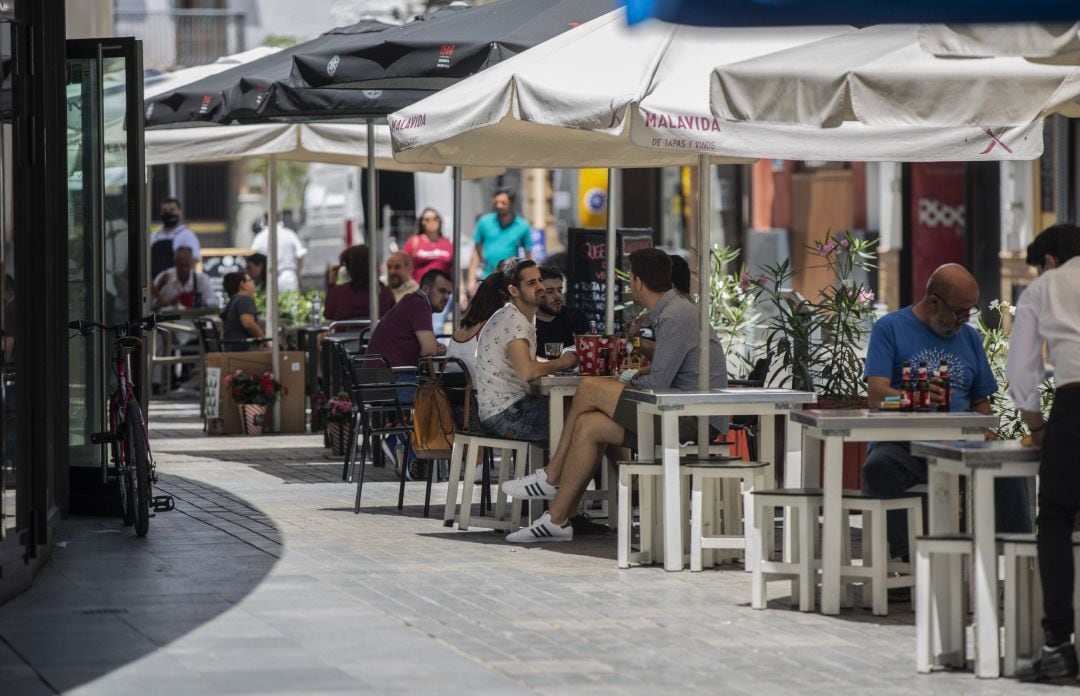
(169, 237)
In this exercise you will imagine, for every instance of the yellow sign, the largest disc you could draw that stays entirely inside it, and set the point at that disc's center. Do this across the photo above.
(592, 197)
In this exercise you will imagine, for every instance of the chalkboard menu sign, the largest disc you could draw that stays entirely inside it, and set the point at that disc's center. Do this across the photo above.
(216, 263)
(587, 266)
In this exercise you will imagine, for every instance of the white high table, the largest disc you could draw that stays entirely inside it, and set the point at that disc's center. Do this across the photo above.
(670, 404)
(836, 426)
(982, 462)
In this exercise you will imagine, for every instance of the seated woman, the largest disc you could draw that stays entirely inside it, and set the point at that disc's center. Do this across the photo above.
(489, 298)
(350, 300)
(240, 316)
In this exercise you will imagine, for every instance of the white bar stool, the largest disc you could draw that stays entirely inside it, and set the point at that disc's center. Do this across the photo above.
(524, 454)
(939, 621)
(801, 568)
(875, 568)
(707, 480)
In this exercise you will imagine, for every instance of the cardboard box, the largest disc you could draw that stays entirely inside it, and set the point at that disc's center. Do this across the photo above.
(290, 373)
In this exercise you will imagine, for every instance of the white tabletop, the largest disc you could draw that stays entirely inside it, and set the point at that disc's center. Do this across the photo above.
(978, 454)
(851, 419)
(662, 398)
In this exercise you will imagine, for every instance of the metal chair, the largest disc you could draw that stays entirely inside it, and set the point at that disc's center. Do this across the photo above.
(377, 412)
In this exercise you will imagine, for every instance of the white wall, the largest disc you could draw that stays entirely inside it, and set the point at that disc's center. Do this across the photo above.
(1016, 205)
(306, 19)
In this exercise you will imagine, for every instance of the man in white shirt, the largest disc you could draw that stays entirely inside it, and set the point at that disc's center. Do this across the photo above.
(506, 362)
(290, 254)
(1049, 310)
(182, 285)
(171, 236)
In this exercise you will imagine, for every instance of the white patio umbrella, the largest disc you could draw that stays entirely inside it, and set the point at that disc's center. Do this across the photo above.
(1028, 40)
(882, 76)
(605, 95)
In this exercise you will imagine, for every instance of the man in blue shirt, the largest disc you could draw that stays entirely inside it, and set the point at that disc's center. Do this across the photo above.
(498, 236)
(936, 327)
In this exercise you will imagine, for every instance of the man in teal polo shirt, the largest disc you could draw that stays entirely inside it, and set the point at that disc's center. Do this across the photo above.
(498, 236)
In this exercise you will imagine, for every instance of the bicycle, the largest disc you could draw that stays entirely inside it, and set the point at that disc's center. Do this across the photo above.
(127, 436)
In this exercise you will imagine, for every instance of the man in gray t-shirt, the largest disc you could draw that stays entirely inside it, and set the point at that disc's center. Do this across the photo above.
(599, 416)
(506, 362)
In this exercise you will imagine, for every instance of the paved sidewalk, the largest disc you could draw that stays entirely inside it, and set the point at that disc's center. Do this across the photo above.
(263, 581)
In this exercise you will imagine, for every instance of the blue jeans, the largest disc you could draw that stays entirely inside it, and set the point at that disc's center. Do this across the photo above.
(526, 419)
(891, 469)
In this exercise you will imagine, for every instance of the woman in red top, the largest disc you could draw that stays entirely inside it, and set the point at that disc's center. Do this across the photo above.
(428, 247)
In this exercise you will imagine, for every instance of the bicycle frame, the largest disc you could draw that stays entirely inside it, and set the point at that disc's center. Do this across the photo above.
(123, 347)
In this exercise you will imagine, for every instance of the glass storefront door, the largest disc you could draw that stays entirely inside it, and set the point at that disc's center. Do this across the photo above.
(106, 219)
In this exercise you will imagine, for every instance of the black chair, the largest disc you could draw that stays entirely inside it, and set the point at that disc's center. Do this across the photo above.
(350, 332)
(377, 411)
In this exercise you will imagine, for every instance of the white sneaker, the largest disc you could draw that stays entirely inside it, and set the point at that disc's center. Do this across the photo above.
(535, 486)
(542, 531)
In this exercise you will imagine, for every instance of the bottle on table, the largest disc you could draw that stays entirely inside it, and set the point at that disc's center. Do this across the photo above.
(907, 402)
(621, 359)
(922, 390)
(633, 361)
(592, 328)
(943, 381)
(316, 311)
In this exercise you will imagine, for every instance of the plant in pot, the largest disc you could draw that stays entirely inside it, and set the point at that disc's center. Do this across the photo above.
(731, 309)
(335, 414)
(254, 393)
(820, 343)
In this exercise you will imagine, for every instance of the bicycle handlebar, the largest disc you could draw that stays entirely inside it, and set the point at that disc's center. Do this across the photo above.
(145, 324)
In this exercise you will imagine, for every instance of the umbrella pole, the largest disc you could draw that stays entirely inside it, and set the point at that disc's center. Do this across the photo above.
(704, 254)
(457, 248)
(272, 281)
(371, 217)
(612, 250)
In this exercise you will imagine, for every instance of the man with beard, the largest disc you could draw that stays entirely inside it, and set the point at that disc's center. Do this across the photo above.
(934, 328)
(506, 362)
(556, 322)
(399, 268)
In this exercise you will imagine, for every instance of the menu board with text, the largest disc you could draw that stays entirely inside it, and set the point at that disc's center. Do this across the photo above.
(588, 268)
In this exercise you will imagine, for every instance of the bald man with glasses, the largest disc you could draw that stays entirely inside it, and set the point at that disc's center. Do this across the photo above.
(934, 328)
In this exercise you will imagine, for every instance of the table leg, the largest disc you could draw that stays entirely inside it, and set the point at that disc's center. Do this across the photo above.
(767, 448)
(944, 492)
(669, 437)
(555, 419)
(831, 539)
(987, 660)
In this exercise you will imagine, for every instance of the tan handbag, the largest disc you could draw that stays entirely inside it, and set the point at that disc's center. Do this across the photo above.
(433, 415)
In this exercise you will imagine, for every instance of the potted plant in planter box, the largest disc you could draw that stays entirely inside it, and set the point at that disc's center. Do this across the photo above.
(820, 343)
(254, 393)
(335, 414)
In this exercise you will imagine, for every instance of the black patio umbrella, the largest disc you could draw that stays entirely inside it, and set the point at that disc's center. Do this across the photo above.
(210, 99)
(374, 74)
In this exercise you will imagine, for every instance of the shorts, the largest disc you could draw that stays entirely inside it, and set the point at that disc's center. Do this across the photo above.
(626, 416)
(526, 419)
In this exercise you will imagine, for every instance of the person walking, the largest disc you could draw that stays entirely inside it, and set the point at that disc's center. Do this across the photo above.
(499, 235)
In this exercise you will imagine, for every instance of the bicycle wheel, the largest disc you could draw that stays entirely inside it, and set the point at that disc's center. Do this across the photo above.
(138, 468)
(121, 460)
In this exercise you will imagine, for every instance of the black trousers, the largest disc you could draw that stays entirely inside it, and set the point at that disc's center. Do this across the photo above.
(1059, 501)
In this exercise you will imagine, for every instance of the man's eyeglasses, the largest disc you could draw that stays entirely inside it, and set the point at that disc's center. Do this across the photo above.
(962, 315)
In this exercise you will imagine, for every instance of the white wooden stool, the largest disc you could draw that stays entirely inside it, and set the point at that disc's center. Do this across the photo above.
(876, 568)
(801, 566)
(521, 452)
(707, 479)
(650, 510)
(939, 620)
(1023, 599)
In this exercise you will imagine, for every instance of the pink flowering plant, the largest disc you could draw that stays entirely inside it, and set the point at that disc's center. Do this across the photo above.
(262, 390)
(334, 410)
(820, 342)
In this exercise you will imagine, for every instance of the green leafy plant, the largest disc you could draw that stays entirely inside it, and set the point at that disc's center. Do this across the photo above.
(995, 338)
(254, 388)
(819, 341)
(294, 306)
